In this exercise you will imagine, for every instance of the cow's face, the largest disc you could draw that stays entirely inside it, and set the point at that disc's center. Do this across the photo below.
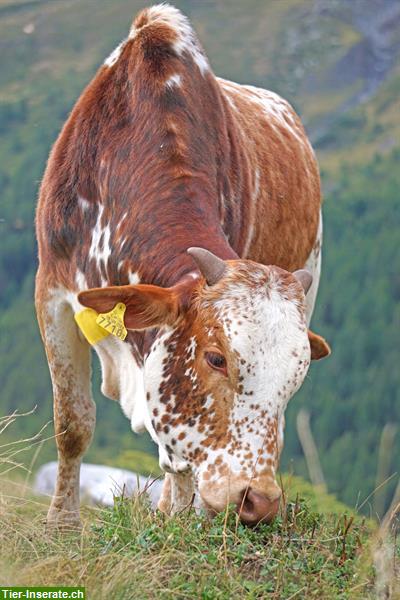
(228, 356)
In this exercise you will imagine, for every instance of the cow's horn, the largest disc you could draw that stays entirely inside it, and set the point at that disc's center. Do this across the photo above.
(305, 278)
(210, 265)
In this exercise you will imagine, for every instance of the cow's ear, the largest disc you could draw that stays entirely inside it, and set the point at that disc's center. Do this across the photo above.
(319, 347)
(146, 305)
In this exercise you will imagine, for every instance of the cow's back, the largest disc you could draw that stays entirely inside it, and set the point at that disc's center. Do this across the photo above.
(158, 155)
(283, 202)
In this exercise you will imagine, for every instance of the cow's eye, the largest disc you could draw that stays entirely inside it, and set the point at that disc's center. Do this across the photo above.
(216, 361)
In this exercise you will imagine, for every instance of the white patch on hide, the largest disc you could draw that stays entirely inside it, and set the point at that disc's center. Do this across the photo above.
(276, 109)
(231, 102)
(313, 264)
(174, 81)
(254, 197)
(83, 203)
(115, 54)
(133, 278)
(100, 249)
(80, 281)
(191, 349)
(185, 41)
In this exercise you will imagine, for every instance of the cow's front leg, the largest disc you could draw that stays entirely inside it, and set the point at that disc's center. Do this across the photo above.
(177, 493)
(164, 503)
(74, 410)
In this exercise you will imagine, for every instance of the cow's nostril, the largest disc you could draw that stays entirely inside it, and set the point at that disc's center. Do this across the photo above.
(255, 507)
(247, 504)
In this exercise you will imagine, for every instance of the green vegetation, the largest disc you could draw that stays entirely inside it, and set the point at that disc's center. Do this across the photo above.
(316, 547)
(51, 49)
(130, 552)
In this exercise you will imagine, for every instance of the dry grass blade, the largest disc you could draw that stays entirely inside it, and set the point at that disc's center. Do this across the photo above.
(310, 449)
(385, 454)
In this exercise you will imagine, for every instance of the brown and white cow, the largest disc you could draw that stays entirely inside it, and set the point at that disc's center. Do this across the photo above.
(192, 201)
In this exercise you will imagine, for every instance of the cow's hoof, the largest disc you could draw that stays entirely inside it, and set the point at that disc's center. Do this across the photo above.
(63, 521)
(164, 506)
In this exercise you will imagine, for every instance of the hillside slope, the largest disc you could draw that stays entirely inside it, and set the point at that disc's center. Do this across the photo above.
(337, 62)
(129, 552)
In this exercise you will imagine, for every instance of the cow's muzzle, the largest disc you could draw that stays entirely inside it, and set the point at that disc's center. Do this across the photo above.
(256, 507)
(252, 504)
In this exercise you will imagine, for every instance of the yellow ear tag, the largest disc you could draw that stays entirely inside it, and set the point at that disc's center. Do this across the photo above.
(86, 320)
(113, 321)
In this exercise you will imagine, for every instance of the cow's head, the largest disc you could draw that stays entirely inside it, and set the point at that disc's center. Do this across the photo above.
(232, 348)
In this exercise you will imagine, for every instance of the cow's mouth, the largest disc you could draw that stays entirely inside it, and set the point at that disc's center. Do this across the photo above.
(253, 507)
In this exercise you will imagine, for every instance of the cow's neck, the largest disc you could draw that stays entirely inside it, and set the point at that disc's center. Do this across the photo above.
(180, 270)
(194, 220)
(181, 265)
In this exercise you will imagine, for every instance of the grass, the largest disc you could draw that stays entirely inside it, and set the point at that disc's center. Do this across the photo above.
(316, 548)
(130, 552)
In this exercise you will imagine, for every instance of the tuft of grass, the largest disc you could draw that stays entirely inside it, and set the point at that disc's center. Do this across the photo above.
(315, 548)
(129, 551)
